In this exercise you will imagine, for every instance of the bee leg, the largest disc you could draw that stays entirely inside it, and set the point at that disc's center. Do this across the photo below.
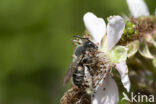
(84, 98)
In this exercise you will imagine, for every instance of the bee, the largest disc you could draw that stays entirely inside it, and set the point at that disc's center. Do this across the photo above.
(78, 67)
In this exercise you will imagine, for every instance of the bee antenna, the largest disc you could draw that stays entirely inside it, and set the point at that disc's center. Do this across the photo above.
(77, 36)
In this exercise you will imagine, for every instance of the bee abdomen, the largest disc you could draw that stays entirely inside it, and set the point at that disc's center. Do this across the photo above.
(78, 76)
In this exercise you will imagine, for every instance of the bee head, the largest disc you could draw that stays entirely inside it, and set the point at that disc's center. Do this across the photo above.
(87, 43)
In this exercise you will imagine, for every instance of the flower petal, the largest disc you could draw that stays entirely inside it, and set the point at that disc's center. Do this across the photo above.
(123, 70)
(95, 26)
(144, 50)
(104, 45)
(118, 54)
(115, 29)
(107, 93)
(138, 8)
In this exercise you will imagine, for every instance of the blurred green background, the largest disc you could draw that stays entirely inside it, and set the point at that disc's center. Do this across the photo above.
(36, 46)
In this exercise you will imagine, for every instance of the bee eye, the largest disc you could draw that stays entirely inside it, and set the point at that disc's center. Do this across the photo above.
(90, 45)
(85, 60)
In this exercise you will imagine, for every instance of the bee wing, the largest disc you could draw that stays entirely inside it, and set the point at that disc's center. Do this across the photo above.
(71, 69)
(68, 74)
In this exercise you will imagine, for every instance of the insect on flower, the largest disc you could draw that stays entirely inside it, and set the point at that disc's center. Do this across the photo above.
(78, 67)
(92, 63)
(89, 65)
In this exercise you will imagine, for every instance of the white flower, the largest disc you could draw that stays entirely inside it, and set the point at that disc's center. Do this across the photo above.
(138, 8)
(108, 92)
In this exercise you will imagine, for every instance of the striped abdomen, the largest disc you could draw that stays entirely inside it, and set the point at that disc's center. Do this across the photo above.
(78, 76)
